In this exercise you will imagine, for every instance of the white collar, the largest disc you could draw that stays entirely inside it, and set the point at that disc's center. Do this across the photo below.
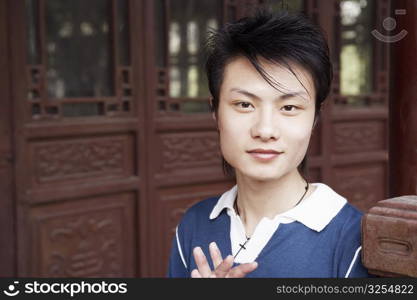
(315, 211)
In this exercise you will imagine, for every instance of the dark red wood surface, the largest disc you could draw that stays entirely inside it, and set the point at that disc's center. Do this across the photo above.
(153, 167)
(403, 109)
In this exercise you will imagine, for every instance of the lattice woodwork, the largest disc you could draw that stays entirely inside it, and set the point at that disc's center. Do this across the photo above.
(43, 108)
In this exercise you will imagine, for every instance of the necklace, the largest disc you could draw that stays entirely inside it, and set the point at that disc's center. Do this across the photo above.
(242, 246)
(298, 202)
(305, 192)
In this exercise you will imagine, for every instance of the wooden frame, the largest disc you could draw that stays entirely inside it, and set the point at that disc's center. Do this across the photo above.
(37, 196)
(7, 155)
(155, 189)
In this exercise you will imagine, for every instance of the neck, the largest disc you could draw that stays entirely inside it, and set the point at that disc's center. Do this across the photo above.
(258, 199)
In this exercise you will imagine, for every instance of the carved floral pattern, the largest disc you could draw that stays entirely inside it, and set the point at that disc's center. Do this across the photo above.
(81, 158)
(363, 186)
(83, 245)
(189, 150)
(359, 137)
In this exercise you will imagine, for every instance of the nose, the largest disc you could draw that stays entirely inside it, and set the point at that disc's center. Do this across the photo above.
(265, 125)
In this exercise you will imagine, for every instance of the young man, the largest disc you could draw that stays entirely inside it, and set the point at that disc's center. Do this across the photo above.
(268, 76)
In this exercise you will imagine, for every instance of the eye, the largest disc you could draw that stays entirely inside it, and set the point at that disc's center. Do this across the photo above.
(243, 105)
(289, 108)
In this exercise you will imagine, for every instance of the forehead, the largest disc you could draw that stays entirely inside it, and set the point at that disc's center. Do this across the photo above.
(241, 73)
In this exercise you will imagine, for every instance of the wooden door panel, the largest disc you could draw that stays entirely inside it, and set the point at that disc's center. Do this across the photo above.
(403, 111)
(359, 136)
(7, 157)
(79, 191)
(65, 177)
(61, 168)
(185, 165)
(360, 156)
(363, 184)
(349, 143)
(135, 155)
(83, 238)
(355, 128)
(86, 159)
(187, 156)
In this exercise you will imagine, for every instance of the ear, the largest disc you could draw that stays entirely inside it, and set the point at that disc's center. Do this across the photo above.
(213, 113)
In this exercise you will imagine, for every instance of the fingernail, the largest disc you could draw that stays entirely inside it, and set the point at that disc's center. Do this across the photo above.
(255, 264)
(213, 245)
(198, 249)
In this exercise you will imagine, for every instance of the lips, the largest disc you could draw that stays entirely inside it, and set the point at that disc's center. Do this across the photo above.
(267, 151)
(264, 154)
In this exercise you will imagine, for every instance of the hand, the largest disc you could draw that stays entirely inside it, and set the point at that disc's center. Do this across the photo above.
(222, 267)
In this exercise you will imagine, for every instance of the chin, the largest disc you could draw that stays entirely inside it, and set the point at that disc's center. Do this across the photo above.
(262, 176)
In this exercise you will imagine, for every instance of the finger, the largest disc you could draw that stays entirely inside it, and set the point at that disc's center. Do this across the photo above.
(215, 254)
(242, 270)
(195, 274)
(224, 268)
(201, 262)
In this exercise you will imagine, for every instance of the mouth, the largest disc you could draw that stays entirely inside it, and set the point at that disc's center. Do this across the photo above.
(264, 154)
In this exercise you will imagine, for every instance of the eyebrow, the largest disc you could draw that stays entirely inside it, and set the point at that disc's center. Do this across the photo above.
(282, 97)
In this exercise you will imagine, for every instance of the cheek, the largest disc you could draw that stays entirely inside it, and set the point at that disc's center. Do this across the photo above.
(298, 137)
(232, 138)
(229, 134)
(228, 147)
(228, 124)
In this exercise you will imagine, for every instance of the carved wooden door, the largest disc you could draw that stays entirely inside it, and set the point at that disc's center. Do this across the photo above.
(79, 128)
(185, 165)
(112, 137)
(354, 135)
(349, 148)
(7, 236)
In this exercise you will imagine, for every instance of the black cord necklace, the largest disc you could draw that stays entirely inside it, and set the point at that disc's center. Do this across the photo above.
(242, 246)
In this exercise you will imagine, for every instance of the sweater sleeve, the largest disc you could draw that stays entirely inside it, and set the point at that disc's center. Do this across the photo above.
(177, 264)
(349, 253)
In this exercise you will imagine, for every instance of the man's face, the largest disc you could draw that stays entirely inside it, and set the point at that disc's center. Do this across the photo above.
(264, 133)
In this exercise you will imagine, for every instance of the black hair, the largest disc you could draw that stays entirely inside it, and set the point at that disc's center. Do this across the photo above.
(279, 38)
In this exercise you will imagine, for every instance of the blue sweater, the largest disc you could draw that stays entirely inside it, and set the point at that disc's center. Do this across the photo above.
(294, 250)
